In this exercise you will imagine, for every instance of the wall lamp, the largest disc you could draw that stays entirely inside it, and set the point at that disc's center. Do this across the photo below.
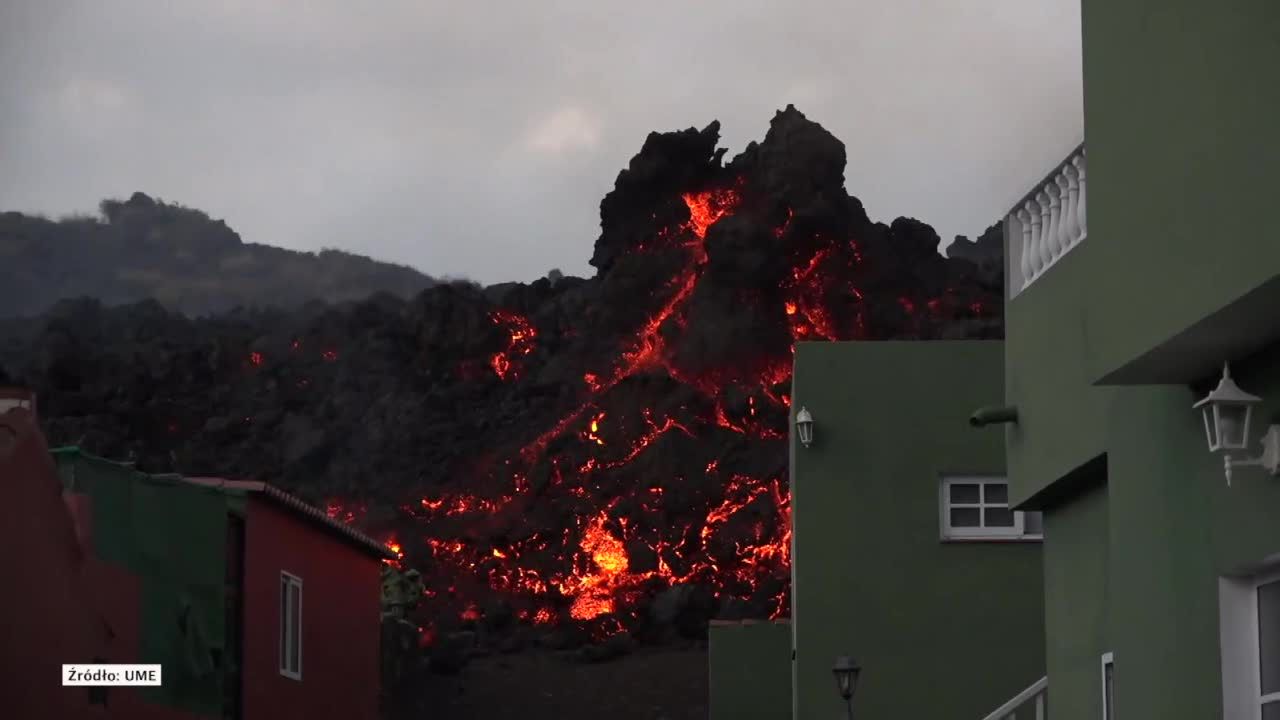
(804, 426)
(1227, 412)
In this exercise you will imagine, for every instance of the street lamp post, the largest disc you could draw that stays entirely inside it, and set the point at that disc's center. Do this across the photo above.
(846, 671)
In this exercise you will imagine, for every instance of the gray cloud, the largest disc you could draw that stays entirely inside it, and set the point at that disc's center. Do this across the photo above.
(477, 138)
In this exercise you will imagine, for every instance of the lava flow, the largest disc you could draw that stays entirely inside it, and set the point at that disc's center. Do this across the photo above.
(659, 471)
(580, 454)
(522, 336)
(586, 571)
(738, 544)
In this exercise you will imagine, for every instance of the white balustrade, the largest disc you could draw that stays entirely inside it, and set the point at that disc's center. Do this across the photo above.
(1048, 223)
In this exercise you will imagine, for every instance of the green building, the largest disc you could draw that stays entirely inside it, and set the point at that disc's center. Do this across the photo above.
(907, 555)
(157, 572)
(1161, 600)
(750, 669)
(209, 578)
(1133, 279)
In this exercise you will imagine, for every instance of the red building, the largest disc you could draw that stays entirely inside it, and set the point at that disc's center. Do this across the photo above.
(311, 607)
(44, 618)
(257, 605)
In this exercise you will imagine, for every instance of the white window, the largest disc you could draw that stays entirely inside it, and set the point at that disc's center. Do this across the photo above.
(1108, 693)
(1250, 644)
(977, 508)
(290, 626)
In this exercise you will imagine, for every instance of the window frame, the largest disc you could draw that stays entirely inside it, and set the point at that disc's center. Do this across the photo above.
(1108, 699)
(290, 630)
(982, 533)
(1239, 636)
(1258, 699)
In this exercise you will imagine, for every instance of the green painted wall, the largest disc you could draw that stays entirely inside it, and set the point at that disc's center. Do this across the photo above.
(170, 535)
(1050, 362)
(750, 671)
(1075, 603)
(1164, 599)
(941, 629)
(1133, 566)
(1179, 115)
(1180, 105)
(1176, 528)
(1182, 151)
(1247, 514)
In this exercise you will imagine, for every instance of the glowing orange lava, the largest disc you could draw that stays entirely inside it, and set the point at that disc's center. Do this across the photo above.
(705, 208)
(593, 589)
(521, 338)
(601, 580)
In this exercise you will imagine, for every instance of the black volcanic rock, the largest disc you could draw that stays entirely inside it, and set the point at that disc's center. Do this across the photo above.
(666, 165)
(987, 252)
(566, 452)
(800, 167)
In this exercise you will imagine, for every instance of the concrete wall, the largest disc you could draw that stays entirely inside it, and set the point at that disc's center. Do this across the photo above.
(1176, 528)
(1180, 102)
(941, 629)
(1182, 151)
(1133, 562)
(1051, 361)
(1075, 599)
(750, 670)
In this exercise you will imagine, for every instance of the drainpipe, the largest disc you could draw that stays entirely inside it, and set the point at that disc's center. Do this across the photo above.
(993, 415)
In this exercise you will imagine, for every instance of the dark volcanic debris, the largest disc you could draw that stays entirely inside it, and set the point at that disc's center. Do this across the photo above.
(568, 452)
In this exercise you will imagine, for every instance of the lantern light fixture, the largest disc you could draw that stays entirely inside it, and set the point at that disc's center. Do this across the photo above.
(804, 426)
(846, 671)
(1227, 413)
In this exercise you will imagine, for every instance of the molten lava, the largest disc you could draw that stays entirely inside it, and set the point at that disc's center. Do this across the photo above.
(593, 589)
(599, 576)
(622, 546)
(571, 451)
(520, 341)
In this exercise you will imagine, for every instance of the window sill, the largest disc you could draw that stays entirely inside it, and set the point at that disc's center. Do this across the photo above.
(995, 539)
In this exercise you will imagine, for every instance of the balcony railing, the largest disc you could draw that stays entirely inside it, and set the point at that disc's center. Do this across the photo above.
(1047, 223)
(1028, 704)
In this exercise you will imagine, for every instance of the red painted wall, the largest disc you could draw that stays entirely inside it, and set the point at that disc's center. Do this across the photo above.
(57, 602)
(340, 626)
(44, 621)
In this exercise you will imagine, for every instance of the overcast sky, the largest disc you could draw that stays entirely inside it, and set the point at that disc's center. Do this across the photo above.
(477, 137)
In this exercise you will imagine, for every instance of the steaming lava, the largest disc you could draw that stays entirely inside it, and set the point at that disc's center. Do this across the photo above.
(595, 454)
